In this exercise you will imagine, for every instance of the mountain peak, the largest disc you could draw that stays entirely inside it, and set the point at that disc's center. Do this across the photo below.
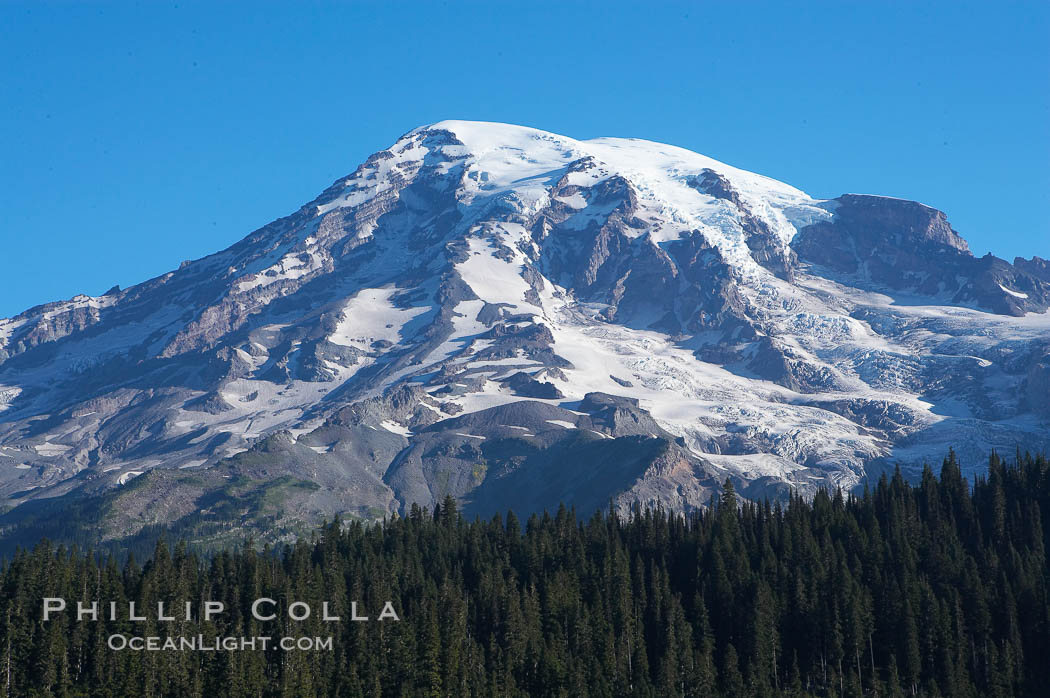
(487, 310)
(626, 155)
(479, 133)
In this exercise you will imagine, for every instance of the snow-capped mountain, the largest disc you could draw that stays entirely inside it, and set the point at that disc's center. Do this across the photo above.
(517, 318)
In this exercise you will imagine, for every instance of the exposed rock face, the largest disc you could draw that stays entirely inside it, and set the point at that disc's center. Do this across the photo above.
(866, 227)
(524, 385)
(906, 246)
(1036, 266)
(520, 319)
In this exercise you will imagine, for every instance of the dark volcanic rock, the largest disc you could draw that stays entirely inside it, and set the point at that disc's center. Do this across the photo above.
(1036, 266)
(525, 385)
(906, 246)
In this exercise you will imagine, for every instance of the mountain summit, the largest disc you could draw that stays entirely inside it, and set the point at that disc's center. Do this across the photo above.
(517, 319)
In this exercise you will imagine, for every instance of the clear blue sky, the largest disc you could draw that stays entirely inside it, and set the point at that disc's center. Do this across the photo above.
(133, 137)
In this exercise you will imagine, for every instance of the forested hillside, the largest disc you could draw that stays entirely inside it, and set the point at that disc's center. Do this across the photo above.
(938, 588)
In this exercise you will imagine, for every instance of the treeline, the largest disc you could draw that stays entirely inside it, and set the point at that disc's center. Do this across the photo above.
(938, 588)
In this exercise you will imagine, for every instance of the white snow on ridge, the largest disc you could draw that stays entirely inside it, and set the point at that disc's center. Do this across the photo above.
(514, 153)
(1015, 294)
(523, 163)
(662, 172)
(503, 157)
(290, 266)
(8, 327)
(375, 179)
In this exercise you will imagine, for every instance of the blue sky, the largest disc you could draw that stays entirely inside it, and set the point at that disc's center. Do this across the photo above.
(133, 137)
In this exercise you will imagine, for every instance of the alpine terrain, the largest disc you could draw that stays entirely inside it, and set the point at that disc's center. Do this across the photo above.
(517, 319)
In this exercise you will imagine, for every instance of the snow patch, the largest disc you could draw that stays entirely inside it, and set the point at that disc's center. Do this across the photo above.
(395, 428)
(370, 316)
(561, 423)
(1015, 294)
(124, 477)
(49, 449)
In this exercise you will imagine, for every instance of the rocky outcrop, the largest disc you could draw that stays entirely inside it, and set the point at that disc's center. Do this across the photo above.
(1036, 266)
(526, 386)
(906, 246)
(901, 244)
